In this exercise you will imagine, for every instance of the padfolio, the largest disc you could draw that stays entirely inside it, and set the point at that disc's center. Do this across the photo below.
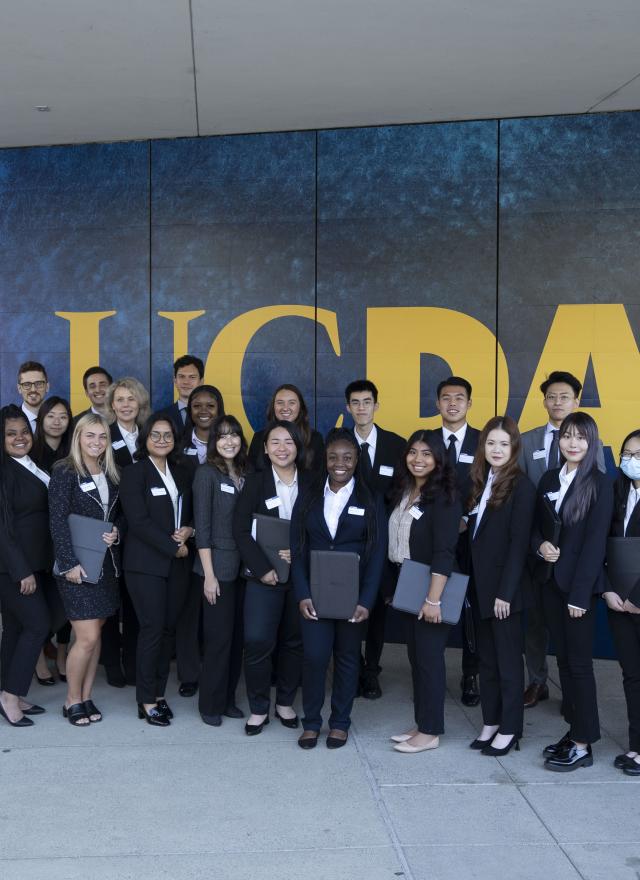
(623, 564)
(88, 544)
(335, 588)
(272, 535)
(413, 586)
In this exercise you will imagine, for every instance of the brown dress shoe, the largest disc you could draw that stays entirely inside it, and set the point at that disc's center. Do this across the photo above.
(534, 694)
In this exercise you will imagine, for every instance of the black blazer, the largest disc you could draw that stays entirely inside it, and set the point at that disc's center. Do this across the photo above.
(350, 537)
(579, 571)
(500, 548)
(173, 414)
(389, 448)
(620, 496)
(149, 547)
(28, 548)
(257, 489)
(120, 449)
(314, 453)
(433, 538)
(469, 446)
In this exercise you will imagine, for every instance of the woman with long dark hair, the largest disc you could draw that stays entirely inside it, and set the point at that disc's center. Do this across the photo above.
(582, 497)
(288, 405)
(338, 513)
(215, 492)
(624, 615)
(501, 505)
(424, 526)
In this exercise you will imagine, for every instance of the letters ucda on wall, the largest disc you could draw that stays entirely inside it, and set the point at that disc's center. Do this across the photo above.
(394, 340)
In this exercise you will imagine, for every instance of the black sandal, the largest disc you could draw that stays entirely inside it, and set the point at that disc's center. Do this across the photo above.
(75, 713)
(91, 709)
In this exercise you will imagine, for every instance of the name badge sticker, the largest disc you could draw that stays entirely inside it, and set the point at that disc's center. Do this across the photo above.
(225, 487)
(539, 453)
(553, 496)
(119, 444)
(356, 511)
(465, 459)
(474, 511)
(190, 451)
(415, 512)
(158, 490)
(385, 470)
(270, 503)
(87, 487)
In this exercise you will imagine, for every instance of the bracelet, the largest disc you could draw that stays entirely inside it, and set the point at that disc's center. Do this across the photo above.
(435, 604)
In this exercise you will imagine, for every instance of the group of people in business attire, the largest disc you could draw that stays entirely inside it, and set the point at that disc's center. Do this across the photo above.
(178, 492)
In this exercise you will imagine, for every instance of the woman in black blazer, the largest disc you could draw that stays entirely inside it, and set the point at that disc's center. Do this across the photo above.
(424, 526)
(624, 615)
(271, 619)
(156, 500)
(582, 497)
(26, 557)
(337, 513)
(502, 505)
(215, 492)
(53, 433)
(288, 405)
(86, 483)
(204, 406)
(128, 400)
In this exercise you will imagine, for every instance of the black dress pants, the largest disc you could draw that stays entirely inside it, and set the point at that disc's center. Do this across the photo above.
(500, 646)
(426, 643)
(271, 618)
(321, 639)
(25, 625)
(222, 629)
(120, 647)
(158, 602)
(374, 642)
(188, 633)
(625, 629)
(573, 641)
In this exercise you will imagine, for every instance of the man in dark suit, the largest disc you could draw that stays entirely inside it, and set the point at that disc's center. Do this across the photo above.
(538, 454)
(33, 385)
(188, 373)
(460, 440)
(379, 454)
(96, 381)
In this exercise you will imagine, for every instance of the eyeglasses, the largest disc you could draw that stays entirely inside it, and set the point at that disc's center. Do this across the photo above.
(559, 398)
(39, 385)
(627, 456)
(156, 436)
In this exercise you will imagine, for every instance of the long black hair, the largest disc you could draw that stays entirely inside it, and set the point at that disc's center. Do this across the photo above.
(143, 435)
(361, 491)
(40, 442)
(11, 411)
(585, 481)
(441, 480)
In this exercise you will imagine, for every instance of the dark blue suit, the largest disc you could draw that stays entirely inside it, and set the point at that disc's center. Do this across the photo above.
(321, 638)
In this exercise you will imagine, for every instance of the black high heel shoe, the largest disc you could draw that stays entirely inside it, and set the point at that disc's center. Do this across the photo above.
(480, 744)
(288, 722)
(153, 716)
(255, 729)
(46, 682)
(497, 753)
(24, 722)
(165, 708)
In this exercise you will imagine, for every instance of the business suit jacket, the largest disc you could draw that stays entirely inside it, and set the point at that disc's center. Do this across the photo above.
(434, 537)
(173, 414)
(257, 489)
(533, 441)
(350, 538)
(121, 454)
(500, 547)
(579, 570)
(389, 447)
(66, 496)
(469, 446)
(213, 519)
(620, 496)
(28, 548)
(149, 547)
(314, 455)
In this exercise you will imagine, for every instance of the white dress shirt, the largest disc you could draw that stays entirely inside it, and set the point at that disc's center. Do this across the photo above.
(566, 479)
(100, 482)
(31, 416)
(172, 489)
(129, 437)
(201, 447)
(632, 500)
(30, 465)
(372, 440)
(287, 493)
(335, 503)
(460, 434)
(484, 499)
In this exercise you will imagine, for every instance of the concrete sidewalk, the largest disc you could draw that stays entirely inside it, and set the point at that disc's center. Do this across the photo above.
(125, 800)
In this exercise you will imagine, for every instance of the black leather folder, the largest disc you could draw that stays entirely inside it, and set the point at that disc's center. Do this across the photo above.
(272, 535)
(413, 586)
(550, 527)
(623, 564)
(335, 583)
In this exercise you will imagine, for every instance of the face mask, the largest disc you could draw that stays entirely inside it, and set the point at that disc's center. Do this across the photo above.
(630, 468)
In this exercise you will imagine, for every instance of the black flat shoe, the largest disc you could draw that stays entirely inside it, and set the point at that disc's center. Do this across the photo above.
(336, 742)
(115, 676)
(91, 709)
(165, 708)
(188, 689)
(496, 753)
(470, 693)
(620, 761)
(46, 682)
(153, 716)
(554, 748)
(308, 742)
(212, 720)
(370, 686)
(24, 722)
(291, 723)
(632, 769)
(479, 744)
(255, 729)
(568, 759)
(34, 710)
(75, 713)
(233, 712)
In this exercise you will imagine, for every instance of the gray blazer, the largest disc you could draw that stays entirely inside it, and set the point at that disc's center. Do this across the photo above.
(532, 443)
(213, 514)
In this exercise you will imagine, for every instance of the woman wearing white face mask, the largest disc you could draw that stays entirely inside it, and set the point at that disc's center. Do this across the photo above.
(624, 615)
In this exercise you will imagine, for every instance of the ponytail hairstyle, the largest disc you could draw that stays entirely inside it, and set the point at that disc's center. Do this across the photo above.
(441, 480)
(585, 482)
(361, 491)
(507, 476)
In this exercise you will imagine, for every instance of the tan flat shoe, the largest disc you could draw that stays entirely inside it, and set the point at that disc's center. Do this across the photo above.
(409, 750)
(402, 737)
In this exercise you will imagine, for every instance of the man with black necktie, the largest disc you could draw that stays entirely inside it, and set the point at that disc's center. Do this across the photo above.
(540, 453)
(379, 454)
(460, 439)
(33, 384)
(188, 373)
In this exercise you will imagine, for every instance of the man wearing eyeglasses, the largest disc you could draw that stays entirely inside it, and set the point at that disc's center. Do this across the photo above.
(539, 453)
(33, 385)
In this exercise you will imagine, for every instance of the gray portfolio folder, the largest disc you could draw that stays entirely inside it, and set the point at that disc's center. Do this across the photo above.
(413, 586)
(272, 535)
(335, 587)
(88, 544)
(623, 564)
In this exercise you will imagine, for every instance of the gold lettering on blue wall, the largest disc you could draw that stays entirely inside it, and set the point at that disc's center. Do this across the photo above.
(84, 350)
(180, 333)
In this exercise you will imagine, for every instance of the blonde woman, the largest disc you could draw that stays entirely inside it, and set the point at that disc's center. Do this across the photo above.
(128, 399)
(86, 483)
